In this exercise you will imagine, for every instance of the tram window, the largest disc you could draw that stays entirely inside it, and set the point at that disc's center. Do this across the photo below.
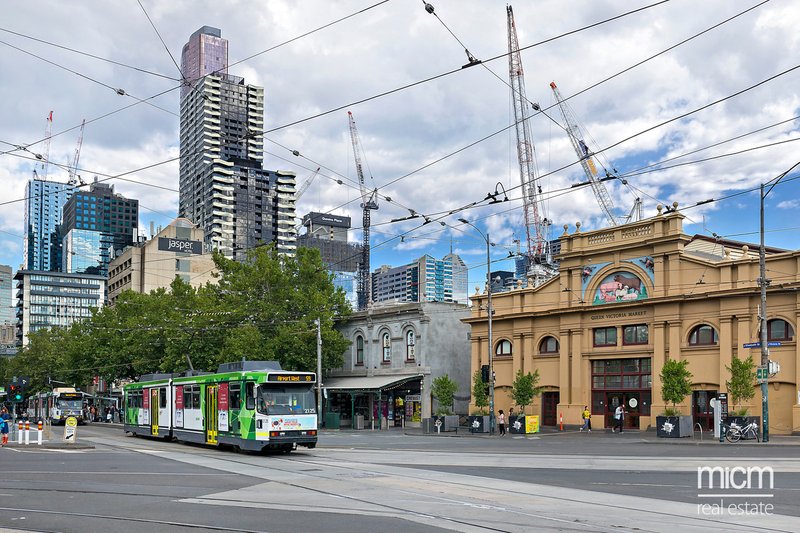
(162, 398)
(250, 396)
(236, 395)
(187, 398)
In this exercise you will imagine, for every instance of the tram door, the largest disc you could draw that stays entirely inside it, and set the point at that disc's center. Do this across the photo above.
(211, 414)
(154, 411)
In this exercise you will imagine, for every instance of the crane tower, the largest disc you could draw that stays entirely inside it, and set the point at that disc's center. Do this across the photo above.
(72, 170)
(48, 131)
(537, 254)
(368, 203)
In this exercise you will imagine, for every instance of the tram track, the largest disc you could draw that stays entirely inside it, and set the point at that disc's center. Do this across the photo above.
(394, 510)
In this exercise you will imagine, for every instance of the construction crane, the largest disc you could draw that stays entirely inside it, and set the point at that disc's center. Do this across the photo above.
(539, 260)
(45, 156)
(306, 184)
(590, 169)
(72, 170)
(369, 202)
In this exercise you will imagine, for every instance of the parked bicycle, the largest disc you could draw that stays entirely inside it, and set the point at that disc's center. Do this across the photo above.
(735, 433)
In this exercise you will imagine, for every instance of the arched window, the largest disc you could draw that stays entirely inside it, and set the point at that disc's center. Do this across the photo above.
(779, 330)
(360, 351)
(411, 341)
(703, 335)
(503, 349)
(387, 347)
(548, 345)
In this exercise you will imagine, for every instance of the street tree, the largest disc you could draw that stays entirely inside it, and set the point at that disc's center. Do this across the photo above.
(676, 384)
(741, 385)
(524, 388)
(444, 390)
(480, 397)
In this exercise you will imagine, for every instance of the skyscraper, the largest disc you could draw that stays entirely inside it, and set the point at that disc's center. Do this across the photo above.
(425, 280)
(460, 278)
(224, 188)
(44, 204)
(96, 223)
(6, 309)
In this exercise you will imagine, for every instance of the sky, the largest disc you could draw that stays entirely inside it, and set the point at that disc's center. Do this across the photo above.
(684, 104)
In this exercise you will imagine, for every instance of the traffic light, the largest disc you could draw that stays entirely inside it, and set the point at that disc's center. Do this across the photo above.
(15, 393)
(485, 373)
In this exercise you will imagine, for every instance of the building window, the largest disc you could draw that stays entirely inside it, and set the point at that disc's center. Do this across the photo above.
(387, 348)
(779, 330)
(703, 335)
(359, 351)
(635, 334)
(605, 336)
(411, 349)
(548, 345)
(503, 348)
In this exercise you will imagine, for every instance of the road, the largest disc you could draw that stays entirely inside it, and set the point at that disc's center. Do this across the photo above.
(392, 481)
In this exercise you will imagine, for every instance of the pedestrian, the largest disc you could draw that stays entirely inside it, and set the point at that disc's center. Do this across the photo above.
(586, 415)
(5, 424)
(501, 422)
(109, 415)
(619, 418)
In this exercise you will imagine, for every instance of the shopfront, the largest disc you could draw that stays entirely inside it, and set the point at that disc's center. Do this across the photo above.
(625, 382)
(374, 402)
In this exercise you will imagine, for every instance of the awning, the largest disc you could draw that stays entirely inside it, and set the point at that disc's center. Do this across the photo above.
(368, 383)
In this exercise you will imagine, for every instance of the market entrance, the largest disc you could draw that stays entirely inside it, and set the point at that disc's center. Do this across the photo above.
(621, 382)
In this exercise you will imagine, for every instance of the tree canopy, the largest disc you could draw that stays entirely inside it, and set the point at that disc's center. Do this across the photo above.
(262, 308)
(524, 388)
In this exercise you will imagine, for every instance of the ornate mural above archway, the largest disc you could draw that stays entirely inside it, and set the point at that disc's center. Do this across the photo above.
(620, 286)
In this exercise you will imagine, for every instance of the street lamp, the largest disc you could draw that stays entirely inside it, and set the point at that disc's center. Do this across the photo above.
(763, 283)
(490, 312)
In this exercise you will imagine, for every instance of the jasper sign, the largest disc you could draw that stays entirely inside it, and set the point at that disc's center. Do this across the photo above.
(178, 245)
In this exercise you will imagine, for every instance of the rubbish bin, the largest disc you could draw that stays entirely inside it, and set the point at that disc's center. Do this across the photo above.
(332, 420)
(359, 422)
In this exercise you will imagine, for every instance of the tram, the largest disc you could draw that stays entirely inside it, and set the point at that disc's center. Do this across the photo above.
(250, 405)
(57, 405)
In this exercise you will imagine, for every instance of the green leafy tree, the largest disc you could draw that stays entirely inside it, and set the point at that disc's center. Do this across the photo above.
(741, 385)
(479, 396)
(524, 388)
(676, 384)
(444, 390)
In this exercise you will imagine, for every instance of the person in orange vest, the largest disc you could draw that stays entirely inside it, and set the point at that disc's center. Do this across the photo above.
(586, 415)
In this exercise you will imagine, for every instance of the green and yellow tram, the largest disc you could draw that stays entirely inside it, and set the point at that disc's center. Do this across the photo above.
(252, 405)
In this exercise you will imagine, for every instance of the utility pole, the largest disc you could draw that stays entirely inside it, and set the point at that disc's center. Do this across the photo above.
(763, 282)
(319, 371)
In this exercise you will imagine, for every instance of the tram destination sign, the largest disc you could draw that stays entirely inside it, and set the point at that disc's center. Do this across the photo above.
(166, 244)
(291, 378)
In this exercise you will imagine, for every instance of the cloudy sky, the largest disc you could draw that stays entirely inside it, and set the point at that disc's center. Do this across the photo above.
(681, 121)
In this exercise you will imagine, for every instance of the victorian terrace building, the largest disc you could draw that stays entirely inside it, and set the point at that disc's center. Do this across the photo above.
(630, 297)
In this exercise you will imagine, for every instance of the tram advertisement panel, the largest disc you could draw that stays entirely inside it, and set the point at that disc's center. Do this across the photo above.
(293, 423)
(222, 406)
(179, 407)
(145, 406)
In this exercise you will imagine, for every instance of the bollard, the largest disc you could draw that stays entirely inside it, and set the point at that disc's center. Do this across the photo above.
(40, 429)
(27, 432)
(561, 421)
(19, 432)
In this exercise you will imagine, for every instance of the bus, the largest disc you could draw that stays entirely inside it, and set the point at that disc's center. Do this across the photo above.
(248, 405)
(57, 405)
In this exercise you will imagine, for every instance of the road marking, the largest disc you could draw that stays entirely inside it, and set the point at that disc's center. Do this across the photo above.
(641, 485)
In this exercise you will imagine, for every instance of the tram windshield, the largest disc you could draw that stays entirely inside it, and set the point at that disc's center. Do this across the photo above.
(70, 404)
(286, 400)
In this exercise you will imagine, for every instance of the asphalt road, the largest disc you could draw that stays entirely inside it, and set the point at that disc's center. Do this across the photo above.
(390, 481)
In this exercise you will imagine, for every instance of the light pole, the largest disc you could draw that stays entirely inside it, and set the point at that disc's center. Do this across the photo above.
(763, 283)
(490, 312)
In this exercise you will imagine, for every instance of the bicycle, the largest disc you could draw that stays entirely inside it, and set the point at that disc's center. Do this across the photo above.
(735, 433)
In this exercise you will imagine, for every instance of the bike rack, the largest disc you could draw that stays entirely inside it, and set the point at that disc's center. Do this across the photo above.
(698, 425)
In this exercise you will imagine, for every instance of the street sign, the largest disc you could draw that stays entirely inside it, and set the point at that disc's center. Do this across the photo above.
(70, 429)
(758, 344)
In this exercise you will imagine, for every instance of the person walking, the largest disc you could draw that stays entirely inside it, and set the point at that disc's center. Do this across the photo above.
(619, 418)
(586, 415)
(5, 424)
(501, 423)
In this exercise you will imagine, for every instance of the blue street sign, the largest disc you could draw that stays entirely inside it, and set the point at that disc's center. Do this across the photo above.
(758, 344)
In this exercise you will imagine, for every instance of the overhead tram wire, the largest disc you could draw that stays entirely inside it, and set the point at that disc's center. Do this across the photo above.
(152, 24)
(119, 64)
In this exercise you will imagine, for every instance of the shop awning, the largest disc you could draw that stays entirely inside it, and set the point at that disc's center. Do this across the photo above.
(367, 383)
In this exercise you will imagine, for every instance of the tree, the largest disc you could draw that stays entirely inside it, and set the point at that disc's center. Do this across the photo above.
(524, 388)
(444, 390)
(676, 384)
(740, 386)
(479, 396)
